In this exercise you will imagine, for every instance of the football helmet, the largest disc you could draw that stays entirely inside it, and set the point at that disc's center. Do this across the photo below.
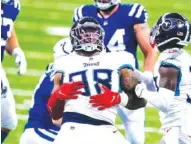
(87, 36)
(172, 30)
(105, 4)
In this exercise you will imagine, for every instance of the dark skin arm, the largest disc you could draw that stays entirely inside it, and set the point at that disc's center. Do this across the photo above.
(168, 77)
(58, 108)
(128, 82)
(142, 33)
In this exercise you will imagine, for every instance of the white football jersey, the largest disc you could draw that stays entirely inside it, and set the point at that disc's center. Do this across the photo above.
(62, 48)
(103, 68)
(181, 105)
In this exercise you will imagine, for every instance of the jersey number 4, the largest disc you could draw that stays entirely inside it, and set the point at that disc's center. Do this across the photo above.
(117, 40)
(102, 76)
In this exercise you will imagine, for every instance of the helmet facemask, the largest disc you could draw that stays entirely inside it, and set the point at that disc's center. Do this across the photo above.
(87, 38)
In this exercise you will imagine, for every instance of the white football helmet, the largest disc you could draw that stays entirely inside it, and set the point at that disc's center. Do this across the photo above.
(105, 4)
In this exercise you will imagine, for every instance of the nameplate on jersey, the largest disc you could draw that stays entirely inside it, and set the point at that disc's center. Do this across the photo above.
(91, 64)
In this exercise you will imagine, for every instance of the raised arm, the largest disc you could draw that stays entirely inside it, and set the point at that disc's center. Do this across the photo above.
(142, 33)
(162, 99)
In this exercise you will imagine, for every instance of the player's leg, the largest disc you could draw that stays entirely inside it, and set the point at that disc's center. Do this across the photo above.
(72, 133)
(110, 135)
(184, 139)
(8, 112)
(36, 136)
(171, 136)
(133, 120)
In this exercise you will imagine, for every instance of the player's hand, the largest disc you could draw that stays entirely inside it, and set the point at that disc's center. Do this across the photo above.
(106, 99)
(70, 90)
(148, 78)
(20, 60)
(66, 91)
(139, 89)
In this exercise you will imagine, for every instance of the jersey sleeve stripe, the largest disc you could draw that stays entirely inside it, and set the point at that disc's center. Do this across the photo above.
(76, 14)
(133, 9)
(80, 11)
(3, 42)
(17, 4)
(140, 10)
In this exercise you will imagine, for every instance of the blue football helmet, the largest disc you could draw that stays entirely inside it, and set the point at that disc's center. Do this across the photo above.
(105, 4)
(87, 36)
(172, 30)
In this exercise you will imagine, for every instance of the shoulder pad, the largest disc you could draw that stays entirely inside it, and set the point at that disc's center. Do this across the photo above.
(82, 11)
(128, 59)
(17, 4)
(138, 13)
(62, 48)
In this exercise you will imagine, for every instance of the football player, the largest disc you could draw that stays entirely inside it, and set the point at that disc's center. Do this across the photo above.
(171, 34)
(90, 64)
(125, 26)
(9, 42)
(39, 129)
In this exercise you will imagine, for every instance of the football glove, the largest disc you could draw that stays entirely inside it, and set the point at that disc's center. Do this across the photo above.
(106, 99)
(70, 90)
(57, 99)
(20, 60)
(139, 89)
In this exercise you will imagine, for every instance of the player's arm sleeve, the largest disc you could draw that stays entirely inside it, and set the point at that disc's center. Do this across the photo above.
(78, 13)
(138, 13)
(62, 48)
(17, 6)
(170, 76)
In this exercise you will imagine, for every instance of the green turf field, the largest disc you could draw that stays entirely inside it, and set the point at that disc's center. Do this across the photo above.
(31, 26)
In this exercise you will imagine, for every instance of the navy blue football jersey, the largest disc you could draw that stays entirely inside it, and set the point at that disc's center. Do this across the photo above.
(119, 31)
(9, 13)
(39, 117)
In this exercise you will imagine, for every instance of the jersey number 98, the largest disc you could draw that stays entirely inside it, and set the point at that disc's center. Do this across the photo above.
(102, 76)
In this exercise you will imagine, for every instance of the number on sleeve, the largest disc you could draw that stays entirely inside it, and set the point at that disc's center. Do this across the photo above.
(117, 40)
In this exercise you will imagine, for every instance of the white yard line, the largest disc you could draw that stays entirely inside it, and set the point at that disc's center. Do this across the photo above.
(59, 5)
(38, 55)
(58, 31)
(22, 92)
(30, 72)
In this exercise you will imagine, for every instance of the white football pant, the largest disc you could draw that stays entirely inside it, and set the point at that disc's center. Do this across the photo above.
(8, 111)
(31, 137)
(134, 122)
(75, 133)
(175, 136)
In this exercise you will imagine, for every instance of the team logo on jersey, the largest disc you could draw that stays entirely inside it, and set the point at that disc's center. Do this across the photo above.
(91, 64)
